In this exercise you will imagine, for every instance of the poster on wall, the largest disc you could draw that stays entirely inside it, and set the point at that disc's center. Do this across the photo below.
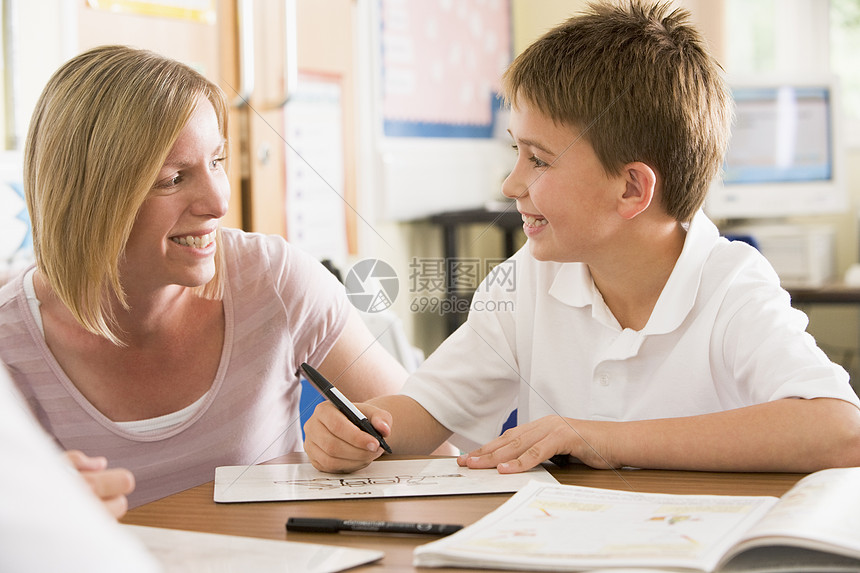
(441, 65)
(315, 204)
(193, 10)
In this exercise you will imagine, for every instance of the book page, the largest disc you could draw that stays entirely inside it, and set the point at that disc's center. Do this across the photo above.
(822, 511)
(558, 527)
(385, 478)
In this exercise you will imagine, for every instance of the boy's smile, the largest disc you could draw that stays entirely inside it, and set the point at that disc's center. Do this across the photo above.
(532, 223)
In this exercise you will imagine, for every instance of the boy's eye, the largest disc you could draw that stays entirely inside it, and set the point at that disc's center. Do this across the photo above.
(538, 162)
(534, 159)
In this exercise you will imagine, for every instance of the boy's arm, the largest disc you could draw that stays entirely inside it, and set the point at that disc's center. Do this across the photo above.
(334, 444)
(788, 435)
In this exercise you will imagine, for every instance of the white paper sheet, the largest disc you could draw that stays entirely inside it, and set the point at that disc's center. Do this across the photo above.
(387, 478)
(191, 552)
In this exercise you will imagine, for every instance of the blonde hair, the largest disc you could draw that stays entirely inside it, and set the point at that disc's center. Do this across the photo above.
(99, 135)
(638, 81)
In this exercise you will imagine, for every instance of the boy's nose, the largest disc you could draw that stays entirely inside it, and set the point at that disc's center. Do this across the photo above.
(513, 188)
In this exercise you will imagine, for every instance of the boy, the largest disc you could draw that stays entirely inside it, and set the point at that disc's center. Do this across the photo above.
(634, 334)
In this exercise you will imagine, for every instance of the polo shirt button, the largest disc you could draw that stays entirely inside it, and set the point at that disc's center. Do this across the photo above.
(604, 379)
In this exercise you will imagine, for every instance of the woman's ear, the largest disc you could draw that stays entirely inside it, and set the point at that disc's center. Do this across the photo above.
(640, 185)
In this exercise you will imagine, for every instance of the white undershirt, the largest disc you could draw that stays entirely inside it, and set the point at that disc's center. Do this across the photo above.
(138, 427)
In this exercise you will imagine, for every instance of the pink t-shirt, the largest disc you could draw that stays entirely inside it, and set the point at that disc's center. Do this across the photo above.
(281, 308)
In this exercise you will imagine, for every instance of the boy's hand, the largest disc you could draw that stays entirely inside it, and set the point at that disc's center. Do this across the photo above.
(523, 447)
(336, 445)
(111, 486)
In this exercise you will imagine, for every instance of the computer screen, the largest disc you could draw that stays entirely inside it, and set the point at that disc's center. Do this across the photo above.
(785, 155)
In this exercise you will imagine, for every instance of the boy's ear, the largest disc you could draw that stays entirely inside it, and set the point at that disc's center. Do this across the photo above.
(640, 185)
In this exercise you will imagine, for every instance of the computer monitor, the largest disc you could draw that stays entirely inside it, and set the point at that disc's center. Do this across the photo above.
(785, 156)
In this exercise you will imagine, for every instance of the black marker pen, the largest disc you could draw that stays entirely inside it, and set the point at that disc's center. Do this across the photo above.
(345, 406)
(324, 525)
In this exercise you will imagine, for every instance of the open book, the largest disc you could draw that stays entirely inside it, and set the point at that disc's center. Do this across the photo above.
(815, 526)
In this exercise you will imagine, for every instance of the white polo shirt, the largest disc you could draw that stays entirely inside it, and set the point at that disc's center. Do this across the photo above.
(540, 338)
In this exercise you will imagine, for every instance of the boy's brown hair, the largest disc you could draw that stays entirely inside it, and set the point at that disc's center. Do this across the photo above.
(637, 80)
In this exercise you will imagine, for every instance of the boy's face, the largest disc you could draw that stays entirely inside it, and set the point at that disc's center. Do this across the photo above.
(566, 198)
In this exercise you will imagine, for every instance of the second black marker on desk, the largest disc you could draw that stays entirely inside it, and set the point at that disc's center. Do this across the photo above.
(341, 403)
(326, 525)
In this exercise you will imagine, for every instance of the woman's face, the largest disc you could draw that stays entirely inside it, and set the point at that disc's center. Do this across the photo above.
(173, 238)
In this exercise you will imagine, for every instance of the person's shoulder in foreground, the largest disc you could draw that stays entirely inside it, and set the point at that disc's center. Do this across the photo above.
(620, 118)
(49, 519)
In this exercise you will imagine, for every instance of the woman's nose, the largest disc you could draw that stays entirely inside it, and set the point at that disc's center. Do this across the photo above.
(214, 194)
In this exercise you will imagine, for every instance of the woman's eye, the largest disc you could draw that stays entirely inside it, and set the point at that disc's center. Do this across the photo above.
(169, 182)
(217, 162)
(515, 147)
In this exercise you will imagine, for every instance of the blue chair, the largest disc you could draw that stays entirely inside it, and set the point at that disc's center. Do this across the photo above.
(511, 421)
(309, 400)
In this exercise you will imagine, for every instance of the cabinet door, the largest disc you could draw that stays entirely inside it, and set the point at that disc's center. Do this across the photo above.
(264, 188)
(318, 34)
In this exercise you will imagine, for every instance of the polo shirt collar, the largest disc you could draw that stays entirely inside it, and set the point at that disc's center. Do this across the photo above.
(573, 285)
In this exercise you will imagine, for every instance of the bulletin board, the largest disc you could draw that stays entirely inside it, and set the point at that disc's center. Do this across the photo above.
(441, 66)
(442, 141)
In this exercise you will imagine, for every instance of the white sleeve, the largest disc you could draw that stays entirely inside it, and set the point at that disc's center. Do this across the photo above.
(470, 384)
(49, 519)
(770, 355)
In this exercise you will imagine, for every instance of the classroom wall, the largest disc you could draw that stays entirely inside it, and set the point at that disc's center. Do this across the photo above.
(530, 19)
(533, 18)
(45, 46)
(835, 327)
(407, 243)
(401, 244)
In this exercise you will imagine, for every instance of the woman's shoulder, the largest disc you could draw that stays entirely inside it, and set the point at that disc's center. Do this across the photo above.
(12, 289)
(251, 256)
(248, 251)
(246, 241)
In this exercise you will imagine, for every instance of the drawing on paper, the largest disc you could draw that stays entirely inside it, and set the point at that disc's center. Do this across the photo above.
(335, 483)
(383, 478)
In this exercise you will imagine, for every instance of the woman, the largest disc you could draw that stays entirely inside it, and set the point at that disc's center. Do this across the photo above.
(147, 333)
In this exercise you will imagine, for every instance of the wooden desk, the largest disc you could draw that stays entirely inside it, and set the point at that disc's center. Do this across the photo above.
(194, 509)
(827, 294)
